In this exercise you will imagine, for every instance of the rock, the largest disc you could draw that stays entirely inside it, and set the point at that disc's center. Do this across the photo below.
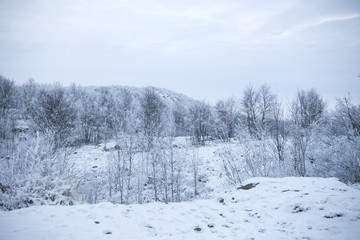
(248, 186)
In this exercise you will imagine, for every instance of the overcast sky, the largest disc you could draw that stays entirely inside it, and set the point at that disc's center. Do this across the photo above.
(208, 50)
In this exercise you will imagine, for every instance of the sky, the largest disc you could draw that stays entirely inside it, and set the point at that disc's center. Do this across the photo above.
(206, 49)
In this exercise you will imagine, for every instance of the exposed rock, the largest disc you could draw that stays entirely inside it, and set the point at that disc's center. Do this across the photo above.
(248, 186)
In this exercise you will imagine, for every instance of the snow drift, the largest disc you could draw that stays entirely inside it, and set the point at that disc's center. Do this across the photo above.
(275, 208)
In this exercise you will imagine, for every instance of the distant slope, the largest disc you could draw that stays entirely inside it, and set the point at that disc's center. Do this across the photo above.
(282, 208)
(169, 97)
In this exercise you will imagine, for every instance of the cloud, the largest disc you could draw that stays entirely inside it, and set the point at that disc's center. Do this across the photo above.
(313, 23)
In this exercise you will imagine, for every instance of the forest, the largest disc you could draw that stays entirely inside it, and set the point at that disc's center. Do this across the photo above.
(43, 126)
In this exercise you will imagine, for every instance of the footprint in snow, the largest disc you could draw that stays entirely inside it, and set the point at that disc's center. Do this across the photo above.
(197, 229)
(107, 232)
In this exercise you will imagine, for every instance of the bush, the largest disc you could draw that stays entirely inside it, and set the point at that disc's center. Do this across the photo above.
(340, 158)
(35, 190)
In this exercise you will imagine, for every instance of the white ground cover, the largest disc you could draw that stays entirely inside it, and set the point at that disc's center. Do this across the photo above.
(276, 208)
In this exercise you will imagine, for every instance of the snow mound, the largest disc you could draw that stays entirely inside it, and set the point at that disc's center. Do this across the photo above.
(273, 208)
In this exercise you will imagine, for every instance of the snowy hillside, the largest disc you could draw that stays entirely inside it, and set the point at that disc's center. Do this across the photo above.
(283, 208)
(169, 97)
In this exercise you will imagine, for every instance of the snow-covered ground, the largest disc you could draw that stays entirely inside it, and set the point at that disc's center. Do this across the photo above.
(276, 208)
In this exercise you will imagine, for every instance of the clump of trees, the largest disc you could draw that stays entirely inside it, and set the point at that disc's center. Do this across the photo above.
(306, 143)
(41, 125)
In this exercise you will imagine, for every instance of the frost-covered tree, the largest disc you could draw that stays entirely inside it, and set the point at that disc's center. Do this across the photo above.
(7, 94)
(267, 103)
(153, 117)
(127, 144)
(89, 118)
(180, 120)
(257, 106)
(227, 118)
(7, 121)
(306, 110)
(278, 131)
(54, 115)
(107, 113)
(250, 106)
(29, 91)
(201, 120)
(347, 116)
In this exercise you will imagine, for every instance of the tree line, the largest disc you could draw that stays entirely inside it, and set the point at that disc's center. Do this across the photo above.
(38, 123)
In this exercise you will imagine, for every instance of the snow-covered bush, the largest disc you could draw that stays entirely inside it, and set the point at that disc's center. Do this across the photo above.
(35, 190)
(36, 176)
(253, 158)
(232, 166)
(338, 157)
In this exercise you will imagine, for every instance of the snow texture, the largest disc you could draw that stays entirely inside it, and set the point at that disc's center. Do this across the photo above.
(275, 208)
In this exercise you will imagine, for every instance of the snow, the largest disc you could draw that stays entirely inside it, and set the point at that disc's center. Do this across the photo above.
(276, 208)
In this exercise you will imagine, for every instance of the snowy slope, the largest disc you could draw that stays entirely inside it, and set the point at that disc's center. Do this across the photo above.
(169, 97)
(283, 208)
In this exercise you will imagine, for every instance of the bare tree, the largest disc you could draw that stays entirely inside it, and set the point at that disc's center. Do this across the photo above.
(267, 103)
(348, 115)
(201, 122)
(228, 117)
(250, 105)
(54, 115)
(152, 117)
(7, 122)
(107, 114)
(7, 95)
(180, 120)
(29, 91)
(278, 131)
(306, 109)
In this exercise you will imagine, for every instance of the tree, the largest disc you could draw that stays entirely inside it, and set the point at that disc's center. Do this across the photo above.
(127, 146)
(107, 114)
(278, 131)
(306, 110)
(201, 121)
(28, 97)
(153, 120)
(54, 115)
(250, 105)
(7, 121)
(125, 112)
(89, 118)
(267, 103)
(348, 115)
(152, 116)
(258, 107)
(179, 115)
(7, 95)
(228, 117)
